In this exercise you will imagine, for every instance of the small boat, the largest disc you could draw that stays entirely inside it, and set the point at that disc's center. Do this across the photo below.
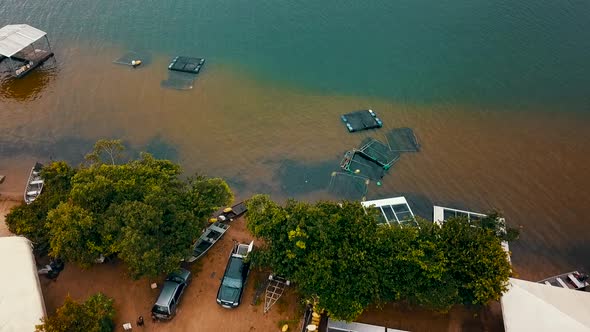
(571, 280)
(211, 235)
(34, 184)
(230, 213)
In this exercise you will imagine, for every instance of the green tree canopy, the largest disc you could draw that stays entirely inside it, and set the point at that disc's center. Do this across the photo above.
(140, 211)
(30, 220)
(96, 314)
(337, 254)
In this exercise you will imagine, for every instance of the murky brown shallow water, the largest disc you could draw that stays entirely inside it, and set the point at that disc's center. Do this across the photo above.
(533, 165)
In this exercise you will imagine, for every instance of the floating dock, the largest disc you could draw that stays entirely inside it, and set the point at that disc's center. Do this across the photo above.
(20, 46)
(187, 64)
(361, 120)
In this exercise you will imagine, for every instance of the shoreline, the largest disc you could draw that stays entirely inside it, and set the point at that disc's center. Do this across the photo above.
(7, 202)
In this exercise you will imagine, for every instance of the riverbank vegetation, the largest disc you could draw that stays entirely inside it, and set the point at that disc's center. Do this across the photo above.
(338, 255)
(96, 314)
(139, 211)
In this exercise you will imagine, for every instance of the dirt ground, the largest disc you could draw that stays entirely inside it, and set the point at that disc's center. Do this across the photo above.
(198, 310)
(5, 206)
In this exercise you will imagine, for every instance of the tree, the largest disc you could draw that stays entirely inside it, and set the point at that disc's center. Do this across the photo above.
(476, 261)
(140, 211)
(325, 248)
(111, 148)
(338, 255)
(30, 220)
(74, 235)
(96, 314)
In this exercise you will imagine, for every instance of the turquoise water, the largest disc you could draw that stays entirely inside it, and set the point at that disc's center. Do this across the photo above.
(527, 53)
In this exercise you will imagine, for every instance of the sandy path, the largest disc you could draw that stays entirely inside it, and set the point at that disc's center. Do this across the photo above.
(198, 310)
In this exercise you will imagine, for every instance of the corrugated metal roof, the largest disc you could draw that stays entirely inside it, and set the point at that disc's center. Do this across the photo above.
(15, 37)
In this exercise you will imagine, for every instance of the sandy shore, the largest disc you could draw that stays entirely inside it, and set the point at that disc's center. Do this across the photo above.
(6, 204)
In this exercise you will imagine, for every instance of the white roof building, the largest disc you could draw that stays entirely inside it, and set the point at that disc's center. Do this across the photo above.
(21, 299)
(531, 306)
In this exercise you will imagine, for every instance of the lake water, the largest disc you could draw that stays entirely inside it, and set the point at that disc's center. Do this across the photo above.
(497, 93)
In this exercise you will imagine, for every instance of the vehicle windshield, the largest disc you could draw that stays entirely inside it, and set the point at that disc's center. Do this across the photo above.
(160, 310)
(232, 282)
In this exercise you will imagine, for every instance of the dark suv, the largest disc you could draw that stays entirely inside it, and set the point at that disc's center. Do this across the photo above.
(236, 272)
(172, 290)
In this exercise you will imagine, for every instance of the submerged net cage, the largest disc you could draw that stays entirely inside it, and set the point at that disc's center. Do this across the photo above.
(128, 58)
(402, 140)
(348, 186)
(179, 81)
(358, 163)
(379, 152)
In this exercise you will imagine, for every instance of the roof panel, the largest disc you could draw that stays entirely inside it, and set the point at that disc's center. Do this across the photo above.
(15, 37)
(21, 300)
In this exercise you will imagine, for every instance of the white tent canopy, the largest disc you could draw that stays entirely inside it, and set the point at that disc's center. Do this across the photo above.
(531, 306)
(15, 37)
(21, 299)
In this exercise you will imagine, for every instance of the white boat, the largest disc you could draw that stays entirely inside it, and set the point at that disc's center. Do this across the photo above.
(569, 280)
(34, 184)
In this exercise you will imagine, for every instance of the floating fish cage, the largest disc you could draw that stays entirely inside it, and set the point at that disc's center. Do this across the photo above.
(348, 186)
(379, 152)
(358, 163)
(402, 140)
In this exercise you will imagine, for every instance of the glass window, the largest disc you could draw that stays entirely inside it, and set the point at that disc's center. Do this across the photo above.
(160, 309)
(404, 216)
(400, 208)
(380, 217)
(449, 214)
(232, 282)
(389, 214)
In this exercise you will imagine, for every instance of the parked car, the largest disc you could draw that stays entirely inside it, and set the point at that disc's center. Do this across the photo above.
(236, 273)
(172, 290)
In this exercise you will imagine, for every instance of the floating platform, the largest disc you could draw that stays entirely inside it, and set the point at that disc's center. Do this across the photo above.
(571, 280)
(187, 64)
(30, 61)
(361, 120)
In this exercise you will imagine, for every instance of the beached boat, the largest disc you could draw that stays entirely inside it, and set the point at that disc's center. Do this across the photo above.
(211, 235)
(34, 184)
(570, 280)
(230, 213)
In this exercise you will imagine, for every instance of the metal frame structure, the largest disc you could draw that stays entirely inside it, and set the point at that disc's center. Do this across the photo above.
(274, 290)
(393, 210)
